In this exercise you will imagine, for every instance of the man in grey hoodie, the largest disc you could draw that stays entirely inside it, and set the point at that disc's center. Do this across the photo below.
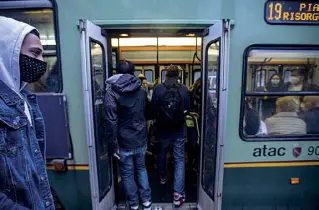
(125, 109)
(24, 182)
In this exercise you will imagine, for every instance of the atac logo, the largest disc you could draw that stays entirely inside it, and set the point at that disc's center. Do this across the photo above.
(296, 150)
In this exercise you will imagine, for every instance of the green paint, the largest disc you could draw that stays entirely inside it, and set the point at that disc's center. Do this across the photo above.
(270, 187)
(73, 188)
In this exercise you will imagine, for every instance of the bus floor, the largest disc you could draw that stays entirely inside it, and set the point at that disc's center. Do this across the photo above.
(164, 193)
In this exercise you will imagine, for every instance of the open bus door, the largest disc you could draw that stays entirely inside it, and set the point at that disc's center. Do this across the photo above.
(94, 73)
(215, 51)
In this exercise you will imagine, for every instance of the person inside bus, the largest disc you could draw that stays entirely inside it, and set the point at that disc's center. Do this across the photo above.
(193, 128)
(286, 121)
(298, 82)
(125, 108)
(311, 113)
(274, 84)
(170, 103)
(24, 182)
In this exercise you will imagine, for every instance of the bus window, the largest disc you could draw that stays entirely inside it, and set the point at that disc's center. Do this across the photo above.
(149, 75)
(137, 72)
(98, 78)
(43, 20)
(286, 105)
(260, 78)
(196, 75)
(210, 121)
(163, 75)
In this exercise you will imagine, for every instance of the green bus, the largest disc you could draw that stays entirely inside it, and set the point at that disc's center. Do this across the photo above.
(235, 47)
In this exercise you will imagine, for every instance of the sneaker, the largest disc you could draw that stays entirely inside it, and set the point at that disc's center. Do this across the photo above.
(134, 207)
(178, 200)
(163, 180)
(147, 205)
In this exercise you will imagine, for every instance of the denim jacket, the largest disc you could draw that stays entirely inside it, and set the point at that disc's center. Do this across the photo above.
(24, 182)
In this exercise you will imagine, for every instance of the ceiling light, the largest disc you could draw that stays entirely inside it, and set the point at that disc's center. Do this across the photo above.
(123, 34)
(190, 35)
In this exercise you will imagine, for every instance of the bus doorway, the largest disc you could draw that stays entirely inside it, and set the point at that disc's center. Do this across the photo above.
(206, 57)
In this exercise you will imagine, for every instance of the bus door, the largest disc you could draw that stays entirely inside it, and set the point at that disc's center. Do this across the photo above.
(94, 73)
(215, 51)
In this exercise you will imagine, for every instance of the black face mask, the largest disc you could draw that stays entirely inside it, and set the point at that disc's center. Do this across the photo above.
(31, 69)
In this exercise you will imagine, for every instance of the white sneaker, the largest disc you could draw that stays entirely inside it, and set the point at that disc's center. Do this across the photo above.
(147, 205)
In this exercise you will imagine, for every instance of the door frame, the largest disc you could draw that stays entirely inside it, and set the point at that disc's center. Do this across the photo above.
(91, 32)
(224, 64)
(217, 32)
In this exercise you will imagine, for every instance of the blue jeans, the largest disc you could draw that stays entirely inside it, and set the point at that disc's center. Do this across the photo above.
(134, 161)
(178, 141)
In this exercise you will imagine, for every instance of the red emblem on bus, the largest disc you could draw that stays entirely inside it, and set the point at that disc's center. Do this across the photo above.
(296, 151)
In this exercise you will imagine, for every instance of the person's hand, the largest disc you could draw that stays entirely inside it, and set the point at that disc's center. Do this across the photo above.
(117, 155)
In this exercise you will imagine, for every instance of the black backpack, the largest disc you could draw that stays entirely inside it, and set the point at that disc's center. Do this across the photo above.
(171, 113)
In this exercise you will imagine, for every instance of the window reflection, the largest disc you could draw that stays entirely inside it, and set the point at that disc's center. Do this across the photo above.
(43, 20)
(149, 75)
(98, 91)
(275, 110)
(210, 119)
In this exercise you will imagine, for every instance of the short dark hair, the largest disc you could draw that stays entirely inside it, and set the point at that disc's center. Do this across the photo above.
(35, 32)
(172, 71)
(125, 67)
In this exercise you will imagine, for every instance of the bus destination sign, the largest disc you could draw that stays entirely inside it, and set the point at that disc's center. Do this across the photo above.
(292, 12)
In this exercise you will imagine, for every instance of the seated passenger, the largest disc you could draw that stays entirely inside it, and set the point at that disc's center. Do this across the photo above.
(311, 114)
(286, 121)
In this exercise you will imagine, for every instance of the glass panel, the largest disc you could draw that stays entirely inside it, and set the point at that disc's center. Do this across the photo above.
(281, 115)
(260, 78)
(98, 92)
(297, 70)
(137, 72)
(196, 76)
(43, 20)
(163, 73)
(210, 118)
(149, 75)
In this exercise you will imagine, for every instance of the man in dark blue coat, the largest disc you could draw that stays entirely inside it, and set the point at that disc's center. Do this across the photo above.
(125, 108)
(170, 103)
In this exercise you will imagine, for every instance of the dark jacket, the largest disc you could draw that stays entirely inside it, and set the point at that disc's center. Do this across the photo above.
(125, 107)
(158, 93)
(311, 118)
(24, 182)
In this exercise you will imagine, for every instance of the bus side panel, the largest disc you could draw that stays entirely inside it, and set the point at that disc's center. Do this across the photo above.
(271, 188)
(73, 188)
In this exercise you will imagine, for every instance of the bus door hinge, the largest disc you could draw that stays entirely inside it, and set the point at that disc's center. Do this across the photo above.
(82, 25)
(226, 25)
(103, 32)
(205, 32)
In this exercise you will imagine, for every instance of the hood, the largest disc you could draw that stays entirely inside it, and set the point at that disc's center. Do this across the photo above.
(124, 83)
(12, 34)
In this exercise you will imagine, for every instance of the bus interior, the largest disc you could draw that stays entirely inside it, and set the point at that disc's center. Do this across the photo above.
(152, 51)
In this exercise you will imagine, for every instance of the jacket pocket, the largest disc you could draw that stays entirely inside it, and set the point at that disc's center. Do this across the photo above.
(13, 134)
